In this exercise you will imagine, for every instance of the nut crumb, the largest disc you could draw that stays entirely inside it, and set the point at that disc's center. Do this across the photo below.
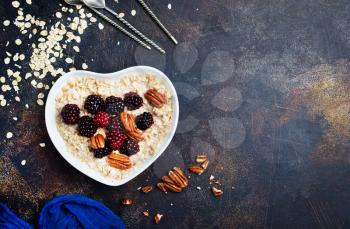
(217, 192)
(127, 201)
(157, 218)
(147, 189)
(196, 169)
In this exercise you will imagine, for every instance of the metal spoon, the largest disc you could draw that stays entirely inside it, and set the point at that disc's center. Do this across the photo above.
(155, 18)
(101, 4)
(79, 2)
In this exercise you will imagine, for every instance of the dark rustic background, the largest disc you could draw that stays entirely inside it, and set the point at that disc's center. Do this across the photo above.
(263, 89)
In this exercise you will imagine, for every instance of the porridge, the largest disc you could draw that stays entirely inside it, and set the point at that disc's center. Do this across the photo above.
(114, 126)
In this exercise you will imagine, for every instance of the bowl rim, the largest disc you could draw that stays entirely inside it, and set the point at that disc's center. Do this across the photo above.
(59, 143)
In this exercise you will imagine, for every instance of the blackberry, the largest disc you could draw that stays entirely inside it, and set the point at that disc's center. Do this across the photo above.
(115, 139)
(114, 124)
(86, 126)
(101, 119)
(144, 121)
(94, 104)
(133, 101)
(114, 105)
(130, 147)
(70, 114)
(100, 153)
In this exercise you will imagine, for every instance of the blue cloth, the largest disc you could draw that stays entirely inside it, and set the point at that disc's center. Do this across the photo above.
(76, 211)
(8, 220)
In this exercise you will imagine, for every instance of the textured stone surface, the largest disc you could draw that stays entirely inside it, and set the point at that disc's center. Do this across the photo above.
(280, 147)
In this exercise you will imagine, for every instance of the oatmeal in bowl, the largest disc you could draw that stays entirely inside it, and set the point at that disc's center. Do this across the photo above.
(112, 127)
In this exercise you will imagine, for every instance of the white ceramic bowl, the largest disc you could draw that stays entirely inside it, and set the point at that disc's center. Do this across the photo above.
(50, 119)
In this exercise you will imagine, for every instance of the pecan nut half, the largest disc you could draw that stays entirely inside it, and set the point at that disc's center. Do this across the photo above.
(136, 135)
(177, 179)
(119, 161)
(129, 124)
(167, 179)
(128, 121)
(181, 175)
(161, 186)
(97, 141)
(155, 98)
(168, 187)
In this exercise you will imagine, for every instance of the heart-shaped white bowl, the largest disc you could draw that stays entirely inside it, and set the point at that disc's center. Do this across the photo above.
(59, 143)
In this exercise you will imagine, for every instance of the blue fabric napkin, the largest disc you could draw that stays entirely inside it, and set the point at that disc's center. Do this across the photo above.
(76, 211)
(8, 220)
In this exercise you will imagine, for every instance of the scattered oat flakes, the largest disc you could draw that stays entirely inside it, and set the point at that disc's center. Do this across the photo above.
(29, 2)
(7, 60)
(40, 102)
(121, 14)
(23, 162)
(100, 26)
(15, 118)
(41, 95)
(15, 4)
(133, 12)
(84, 66)
(76, 48)
(199, 188)
(42, 145)
(69, 60)
(169, 6)
(9, 135)
(3, 102)
(6, 22)
(58, 14)
(18, 41)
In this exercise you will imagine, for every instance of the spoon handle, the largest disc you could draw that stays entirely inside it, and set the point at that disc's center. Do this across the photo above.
(155, 18)
(125, 22)
(119, 27)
